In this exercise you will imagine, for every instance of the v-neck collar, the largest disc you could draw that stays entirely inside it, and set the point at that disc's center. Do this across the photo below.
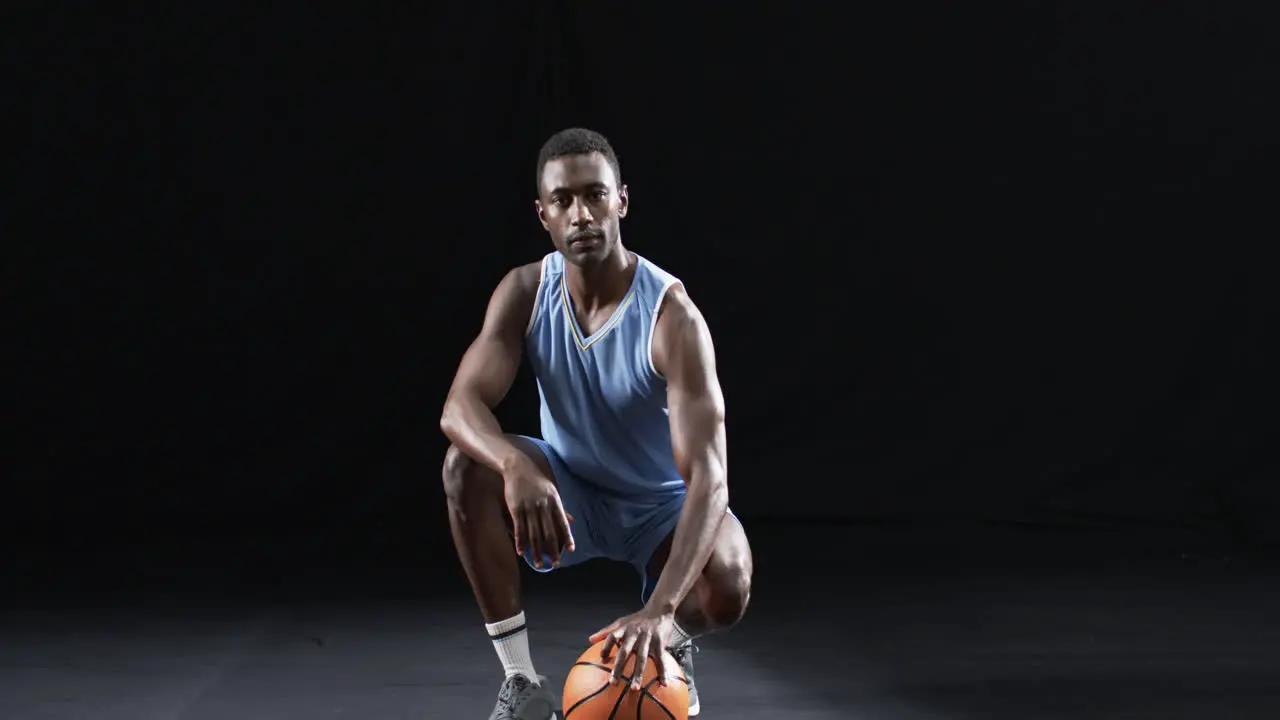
(585, 342)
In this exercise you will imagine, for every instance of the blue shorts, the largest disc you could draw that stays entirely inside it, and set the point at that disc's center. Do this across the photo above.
(609, 526)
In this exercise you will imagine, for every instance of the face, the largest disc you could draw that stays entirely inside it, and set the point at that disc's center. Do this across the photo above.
(581, 206)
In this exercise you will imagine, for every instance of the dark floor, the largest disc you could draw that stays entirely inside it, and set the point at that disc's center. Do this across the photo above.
(846, 622)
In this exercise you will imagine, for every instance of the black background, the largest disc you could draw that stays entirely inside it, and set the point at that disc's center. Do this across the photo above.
(962, 265)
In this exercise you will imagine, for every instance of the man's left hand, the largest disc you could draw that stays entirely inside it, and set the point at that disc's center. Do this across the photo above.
(642, 634)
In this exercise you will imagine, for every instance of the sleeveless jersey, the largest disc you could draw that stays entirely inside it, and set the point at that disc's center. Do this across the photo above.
(603, 405)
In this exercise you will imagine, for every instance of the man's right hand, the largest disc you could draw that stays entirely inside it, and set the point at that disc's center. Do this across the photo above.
(539, 519)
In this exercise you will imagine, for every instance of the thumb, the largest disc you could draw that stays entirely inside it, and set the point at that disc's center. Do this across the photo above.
(602, 632)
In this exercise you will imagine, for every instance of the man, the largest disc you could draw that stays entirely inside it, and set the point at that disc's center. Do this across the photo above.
(631, 465)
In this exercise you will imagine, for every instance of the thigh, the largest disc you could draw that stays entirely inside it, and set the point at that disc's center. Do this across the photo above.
(731, 554)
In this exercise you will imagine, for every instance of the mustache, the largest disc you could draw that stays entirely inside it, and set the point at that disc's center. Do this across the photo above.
(585, 234)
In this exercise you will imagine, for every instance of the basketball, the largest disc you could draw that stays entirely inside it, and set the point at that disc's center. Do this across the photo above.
(589, 696)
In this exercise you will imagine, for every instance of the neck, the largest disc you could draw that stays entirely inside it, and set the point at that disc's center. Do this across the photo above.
(601, 284)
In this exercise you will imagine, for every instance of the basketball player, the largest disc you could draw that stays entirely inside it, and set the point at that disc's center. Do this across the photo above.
(631, 462)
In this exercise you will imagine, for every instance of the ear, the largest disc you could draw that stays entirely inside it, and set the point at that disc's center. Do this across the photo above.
(542, 215)
(624, 201)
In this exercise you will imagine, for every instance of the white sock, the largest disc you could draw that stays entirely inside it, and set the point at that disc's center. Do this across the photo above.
(511, 640)
(679, 636)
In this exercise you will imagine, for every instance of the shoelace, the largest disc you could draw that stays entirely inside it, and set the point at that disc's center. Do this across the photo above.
(511, 694)
(683, 652)
(513, 688)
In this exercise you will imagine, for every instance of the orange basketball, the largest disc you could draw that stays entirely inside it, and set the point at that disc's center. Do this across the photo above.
(589, 696)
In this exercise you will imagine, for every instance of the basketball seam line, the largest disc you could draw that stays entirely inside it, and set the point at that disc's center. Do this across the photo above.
(598, 666)
(617, 704)
(588, 697)
(644, 692)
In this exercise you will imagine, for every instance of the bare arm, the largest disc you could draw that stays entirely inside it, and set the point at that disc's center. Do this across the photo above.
(486, 372)
(684, 354)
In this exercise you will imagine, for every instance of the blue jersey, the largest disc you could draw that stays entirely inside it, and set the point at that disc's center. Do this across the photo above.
(603, 405)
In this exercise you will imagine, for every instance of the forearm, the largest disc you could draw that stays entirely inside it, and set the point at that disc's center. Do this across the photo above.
(705, 506)
(471, 425)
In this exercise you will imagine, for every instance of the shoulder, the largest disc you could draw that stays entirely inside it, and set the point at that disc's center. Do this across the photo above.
(676, 307)
(652, 279)
(680, 331)
(514, 298)
(520, 284)
(525, 278)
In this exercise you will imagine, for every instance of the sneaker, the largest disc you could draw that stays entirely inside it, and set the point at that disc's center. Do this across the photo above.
(523, 699)
(684, 655)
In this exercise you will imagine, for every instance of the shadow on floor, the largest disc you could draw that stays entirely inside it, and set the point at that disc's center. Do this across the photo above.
(846, 622)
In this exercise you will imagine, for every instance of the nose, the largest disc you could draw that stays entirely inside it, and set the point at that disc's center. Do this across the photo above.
(580, 213)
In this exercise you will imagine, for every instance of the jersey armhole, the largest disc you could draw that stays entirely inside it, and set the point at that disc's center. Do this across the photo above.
(653, 322)
(537, 297)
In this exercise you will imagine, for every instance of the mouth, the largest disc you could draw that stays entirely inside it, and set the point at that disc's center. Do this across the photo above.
(583, 242)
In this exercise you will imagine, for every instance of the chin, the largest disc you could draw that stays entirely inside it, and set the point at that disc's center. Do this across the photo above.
(587, 258)
(582, 260)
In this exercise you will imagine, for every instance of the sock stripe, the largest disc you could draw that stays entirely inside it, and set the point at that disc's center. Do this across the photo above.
(504, 635)
(511, 641)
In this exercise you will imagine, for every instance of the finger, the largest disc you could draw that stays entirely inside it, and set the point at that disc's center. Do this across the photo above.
(563, 518)
(610, 641)
(556, 526)
(642, 659)
(518, 530)
(535, 536)
(660, 660)
(625, 645)
(619, 660)
(606, 650)
(603, 632)
(551, 536)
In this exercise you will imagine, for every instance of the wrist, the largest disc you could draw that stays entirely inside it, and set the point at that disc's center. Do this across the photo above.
(511, 461)
(662, 606)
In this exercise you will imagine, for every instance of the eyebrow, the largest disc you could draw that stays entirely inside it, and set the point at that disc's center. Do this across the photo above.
(589, 186)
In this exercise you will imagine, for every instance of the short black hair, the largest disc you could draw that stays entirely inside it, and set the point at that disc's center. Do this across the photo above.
(576, 141)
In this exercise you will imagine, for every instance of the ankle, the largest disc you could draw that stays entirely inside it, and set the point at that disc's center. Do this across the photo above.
(510, 639)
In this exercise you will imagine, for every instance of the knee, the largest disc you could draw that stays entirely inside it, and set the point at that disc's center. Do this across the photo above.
(730, 593)
(460, 474)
